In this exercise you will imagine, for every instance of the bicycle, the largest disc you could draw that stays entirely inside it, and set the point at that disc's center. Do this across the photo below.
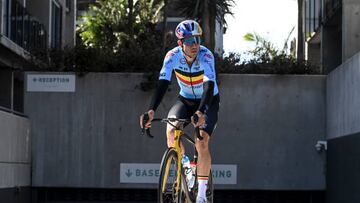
(173, 185)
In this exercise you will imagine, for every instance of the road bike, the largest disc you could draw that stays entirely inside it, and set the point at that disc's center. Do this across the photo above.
(173, 184)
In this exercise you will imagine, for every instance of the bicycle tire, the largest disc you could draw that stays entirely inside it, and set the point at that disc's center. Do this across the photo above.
(167, 180)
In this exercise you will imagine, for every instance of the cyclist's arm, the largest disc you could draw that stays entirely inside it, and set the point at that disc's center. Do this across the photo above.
(206, 96)
(208, 82)
(164, 81)
(159, 94)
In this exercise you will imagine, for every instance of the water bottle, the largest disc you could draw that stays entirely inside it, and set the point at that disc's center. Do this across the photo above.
(190, 174)
(193, 173)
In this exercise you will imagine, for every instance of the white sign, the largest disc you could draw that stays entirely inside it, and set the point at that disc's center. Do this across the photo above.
(149, 173)
(139, 173)
(50, 83)
(224, 174)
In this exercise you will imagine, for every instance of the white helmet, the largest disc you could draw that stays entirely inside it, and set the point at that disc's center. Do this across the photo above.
(188, 28)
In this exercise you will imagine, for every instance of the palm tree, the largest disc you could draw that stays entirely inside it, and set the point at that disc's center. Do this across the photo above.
(206, 12)
(110, 23)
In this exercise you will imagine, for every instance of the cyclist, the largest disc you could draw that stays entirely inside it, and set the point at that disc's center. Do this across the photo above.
(194, 68)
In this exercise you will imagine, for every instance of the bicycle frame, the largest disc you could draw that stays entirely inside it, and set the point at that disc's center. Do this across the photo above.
(176, 150)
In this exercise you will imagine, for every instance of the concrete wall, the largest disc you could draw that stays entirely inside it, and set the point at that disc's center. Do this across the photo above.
(331, 44)
(15, 158)
(314, 54)
(340, 34)
(350, 28)
(343, 106)
(274, 122)
(343, 132)
(268, 128)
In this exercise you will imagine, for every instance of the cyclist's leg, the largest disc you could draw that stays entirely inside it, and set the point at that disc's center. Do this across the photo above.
(178, 110)
(204, 163)
(202, 146)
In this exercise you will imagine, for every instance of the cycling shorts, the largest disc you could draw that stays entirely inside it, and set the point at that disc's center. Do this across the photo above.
(185, 108)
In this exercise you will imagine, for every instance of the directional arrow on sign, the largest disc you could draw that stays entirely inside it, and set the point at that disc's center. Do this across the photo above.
(128, 173)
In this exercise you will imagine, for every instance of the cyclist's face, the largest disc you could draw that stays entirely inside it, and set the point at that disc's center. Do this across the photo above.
(191, 46)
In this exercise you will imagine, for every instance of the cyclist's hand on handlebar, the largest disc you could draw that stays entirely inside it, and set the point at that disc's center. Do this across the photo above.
(146, 122)
(200, 120)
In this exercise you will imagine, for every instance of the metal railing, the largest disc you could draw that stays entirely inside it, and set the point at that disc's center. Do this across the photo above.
(22, 28)
(317, 12)
(313, 16)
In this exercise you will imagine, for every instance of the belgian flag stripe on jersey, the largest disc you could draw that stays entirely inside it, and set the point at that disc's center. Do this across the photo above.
(190, 78)
(194, 74)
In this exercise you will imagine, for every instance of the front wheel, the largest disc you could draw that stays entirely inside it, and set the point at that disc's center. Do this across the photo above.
(169, 190)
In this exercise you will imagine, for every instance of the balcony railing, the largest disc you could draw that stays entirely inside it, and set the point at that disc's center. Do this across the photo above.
(313, 16)
(318, 12)
(22, 28)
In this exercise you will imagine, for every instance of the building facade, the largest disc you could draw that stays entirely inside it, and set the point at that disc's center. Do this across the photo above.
(331, 31)
(25, 27)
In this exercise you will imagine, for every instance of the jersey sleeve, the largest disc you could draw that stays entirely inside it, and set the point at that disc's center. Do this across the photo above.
(209, 67)
(168, 64)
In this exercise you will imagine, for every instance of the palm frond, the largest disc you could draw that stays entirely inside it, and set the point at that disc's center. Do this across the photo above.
(188, 8)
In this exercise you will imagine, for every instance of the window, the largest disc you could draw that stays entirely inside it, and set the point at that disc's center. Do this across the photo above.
(56, 21)
(21, 28)
(6, 18)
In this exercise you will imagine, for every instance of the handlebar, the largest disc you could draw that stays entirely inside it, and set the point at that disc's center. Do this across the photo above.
(169, 121)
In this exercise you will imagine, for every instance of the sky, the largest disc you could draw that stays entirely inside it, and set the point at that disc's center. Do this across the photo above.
(271, 19)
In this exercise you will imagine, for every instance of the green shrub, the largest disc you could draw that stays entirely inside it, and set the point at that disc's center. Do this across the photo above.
(280, 64)
(265, 58)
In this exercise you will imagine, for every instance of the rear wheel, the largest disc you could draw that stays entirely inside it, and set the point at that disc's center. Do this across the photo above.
(169, 190)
